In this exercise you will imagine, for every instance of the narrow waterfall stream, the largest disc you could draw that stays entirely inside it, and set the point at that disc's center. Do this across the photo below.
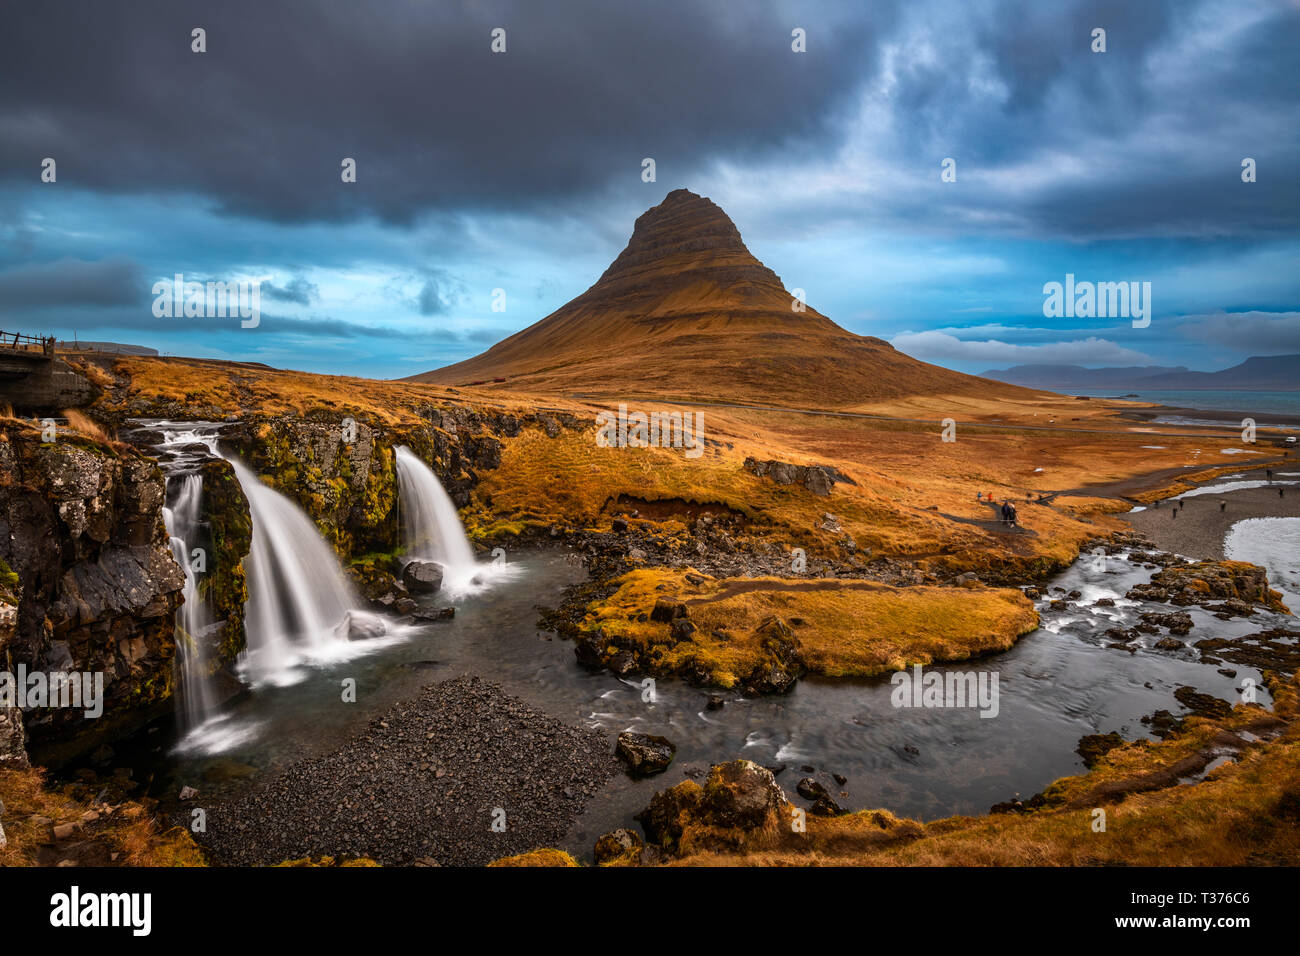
(195, 699)
(431, 528)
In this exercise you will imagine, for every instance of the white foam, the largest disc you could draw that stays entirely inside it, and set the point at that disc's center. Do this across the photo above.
(1273, 544)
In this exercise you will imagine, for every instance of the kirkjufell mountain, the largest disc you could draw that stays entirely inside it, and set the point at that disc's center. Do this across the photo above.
(686, 311)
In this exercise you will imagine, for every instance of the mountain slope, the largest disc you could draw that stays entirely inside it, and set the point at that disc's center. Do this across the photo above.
(686, 311)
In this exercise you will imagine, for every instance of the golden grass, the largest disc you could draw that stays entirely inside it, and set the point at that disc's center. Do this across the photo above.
(127, 829)
(845, 628)
(543, 857)
(87, 427)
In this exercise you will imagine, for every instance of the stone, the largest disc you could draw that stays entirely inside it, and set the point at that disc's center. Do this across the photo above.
(645, 754)
(617, 845)
(364, 627)
(666, 610)
(422, 577)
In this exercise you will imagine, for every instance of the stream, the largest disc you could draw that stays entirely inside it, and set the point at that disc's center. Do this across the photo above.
(1058, 683)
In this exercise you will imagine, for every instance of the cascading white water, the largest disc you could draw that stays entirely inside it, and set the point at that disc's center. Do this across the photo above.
(300, 605)
(195, 702)
(431, 528)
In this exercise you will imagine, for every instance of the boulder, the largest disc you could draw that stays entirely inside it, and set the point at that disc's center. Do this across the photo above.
(1178, 622)
(645, 754)
(621, 844)
(741, 794)
(1204, 582)
(818, 479)
(666, 610)
(422, 577)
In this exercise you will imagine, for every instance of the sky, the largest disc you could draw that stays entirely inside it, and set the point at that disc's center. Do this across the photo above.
(522, 171)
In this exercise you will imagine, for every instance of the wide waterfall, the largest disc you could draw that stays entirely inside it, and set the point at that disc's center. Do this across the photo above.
(301, 607)
(431, 528)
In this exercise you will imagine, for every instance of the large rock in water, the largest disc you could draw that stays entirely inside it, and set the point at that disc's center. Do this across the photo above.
(1203, 582)
(645, 754)
(81, 528)
(422, 577)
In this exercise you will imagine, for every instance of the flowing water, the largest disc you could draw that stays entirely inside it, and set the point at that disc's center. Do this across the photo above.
(193, 620)
(431, 529)
(302, 609)
(1055, 685)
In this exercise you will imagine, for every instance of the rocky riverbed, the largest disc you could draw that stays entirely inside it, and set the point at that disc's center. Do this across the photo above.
(462, 774)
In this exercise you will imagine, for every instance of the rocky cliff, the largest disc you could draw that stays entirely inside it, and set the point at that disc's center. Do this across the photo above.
(349, 487)
(81, 528)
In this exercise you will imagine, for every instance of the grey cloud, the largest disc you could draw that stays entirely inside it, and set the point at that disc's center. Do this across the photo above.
(439, 294)
(1259, 333)
(106, 282)
(297, 290)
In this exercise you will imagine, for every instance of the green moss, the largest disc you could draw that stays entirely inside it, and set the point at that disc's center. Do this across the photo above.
(225, 586)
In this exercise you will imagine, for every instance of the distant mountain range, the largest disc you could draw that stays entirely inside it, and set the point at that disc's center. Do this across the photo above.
(1260, 373)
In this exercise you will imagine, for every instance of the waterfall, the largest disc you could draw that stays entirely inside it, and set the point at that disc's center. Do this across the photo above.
(194, 698)
(431, 528)
(301, 607)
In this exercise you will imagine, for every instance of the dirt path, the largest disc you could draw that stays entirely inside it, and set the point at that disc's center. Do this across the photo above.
(1201, 524)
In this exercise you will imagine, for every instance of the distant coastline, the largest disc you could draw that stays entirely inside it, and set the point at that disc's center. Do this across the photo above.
(1209, 405)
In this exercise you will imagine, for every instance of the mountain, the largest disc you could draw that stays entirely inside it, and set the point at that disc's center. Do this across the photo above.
(1258, 373)
(1076, 376)
(687, 312)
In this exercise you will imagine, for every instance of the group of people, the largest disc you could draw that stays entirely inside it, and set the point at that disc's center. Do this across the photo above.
(1007, 511)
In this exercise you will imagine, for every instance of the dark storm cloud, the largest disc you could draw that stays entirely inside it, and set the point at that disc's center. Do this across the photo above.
(286, 90)
(106, 282)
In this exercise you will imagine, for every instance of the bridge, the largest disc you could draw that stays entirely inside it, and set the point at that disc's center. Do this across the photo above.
(34, 379)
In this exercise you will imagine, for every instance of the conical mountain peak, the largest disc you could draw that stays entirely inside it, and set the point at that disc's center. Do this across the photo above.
(687, 312)
(685, 234)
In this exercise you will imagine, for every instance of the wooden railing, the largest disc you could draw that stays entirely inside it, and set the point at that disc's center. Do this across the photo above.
(17, 342)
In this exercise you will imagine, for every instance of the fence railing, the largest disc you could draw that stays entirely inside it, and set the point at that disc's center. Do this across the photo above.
(17, 342)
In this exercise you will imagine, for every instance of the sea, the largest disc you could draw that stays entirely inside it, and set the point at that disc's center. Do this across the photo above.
(1226, 400)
